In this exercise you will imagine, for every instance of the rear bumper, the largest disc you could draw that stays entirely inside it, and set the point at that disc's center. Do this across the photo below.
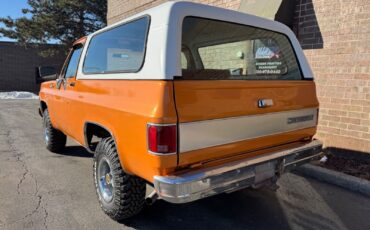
(233, 176)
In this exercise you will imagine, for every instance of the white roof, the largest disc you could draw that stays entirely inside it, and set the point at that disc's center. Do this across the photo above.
(162, 59)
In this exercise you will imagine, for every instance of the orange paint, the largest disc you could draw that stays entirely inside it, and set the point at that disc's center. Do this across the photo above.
(124, 108)
(200, 100)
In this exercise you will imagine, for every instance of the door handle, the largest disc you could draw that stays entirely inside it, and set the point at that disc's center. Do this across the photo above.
(72, 84)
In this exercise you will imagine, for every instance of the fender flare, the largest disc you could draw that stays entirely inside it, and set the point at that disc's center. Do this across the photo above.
(86, 144)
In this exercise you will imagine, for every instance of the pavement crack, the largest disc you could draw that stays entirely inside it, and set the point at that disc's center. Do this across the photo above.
(18, 154)
(20, 158)
(46, 214)
(36, 209)
(23, 175)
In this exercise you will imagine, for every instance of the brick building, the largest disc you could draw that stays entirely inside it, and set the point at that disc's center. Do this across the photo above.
(17, 66)
(335, 36)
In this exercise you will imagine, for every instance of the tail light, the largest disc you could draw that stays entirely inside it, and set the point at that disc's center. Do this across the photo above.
(162, 138)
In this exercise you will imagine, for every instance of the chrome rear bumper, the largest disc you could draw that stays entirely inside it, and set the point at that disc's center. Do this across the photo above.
(233, 176)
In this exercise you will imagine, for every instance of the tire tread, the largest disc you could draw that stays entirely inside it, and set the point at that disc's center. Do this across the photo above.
(57, 139)
(129, 190)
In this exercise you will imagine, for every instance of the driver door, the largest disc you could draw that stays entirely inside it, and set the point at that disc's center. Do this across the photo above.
(66, 89)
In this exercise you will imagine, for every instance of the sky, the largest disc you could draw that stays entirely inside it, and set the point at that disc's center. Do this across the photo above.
(12, 8)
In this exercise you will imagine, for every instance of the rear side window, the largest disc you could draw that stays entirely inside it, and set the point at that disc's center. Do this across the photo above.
(121, 49)
(227, 51)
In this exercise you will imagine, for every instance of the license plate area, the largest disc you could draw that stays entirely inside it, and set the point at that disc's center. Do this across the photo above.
(264, 171)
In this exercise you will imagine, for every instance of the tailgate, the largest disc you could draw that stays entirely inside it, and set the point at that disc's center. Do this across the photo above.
(219, 119)
(241, 90)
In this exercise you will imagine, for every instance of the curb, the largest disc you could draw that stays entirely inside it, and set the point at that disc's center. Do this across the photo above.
(336, 178)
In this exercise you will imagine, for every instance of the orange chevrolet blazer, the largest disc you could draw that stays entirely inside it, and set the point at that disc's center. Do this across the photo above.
(190, 99)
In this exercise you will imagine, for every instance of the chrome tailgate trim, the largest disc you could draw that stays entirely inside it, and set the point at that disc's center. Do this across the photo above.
(210, 133)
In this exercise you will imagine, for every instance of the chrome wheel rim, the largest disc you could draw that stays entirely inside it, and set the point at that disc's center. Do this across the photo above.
(105, 180)
(46, 135)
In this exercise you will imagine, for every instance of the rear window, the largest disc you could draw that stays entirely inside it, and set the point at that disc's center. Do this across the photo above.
(223, 50)
(120, 49)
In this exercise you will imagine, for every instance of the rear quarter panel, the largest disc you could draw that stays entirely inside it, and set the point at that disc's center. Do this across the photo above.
(125, 107)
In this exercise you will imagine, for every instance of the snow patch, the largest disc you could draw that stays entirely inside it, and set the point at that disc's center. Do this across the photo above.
(18, 95)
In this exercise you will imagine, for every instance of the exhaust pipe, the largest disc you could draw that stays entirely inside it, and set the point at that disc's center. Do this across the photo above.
(151, 198)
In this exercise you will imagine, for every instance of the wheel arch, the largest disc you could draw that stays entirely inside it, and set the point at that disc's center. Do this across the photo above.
(42, 108)
(96, 129)
(92, 129)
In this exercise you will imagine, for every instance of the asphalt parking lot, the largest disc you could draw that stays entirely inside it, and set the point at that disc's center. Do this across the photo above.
(43, 190)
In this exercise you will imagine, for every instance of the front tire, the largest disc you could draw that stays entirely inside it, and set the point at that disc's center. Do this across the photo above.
(120, 195)
(54, 139)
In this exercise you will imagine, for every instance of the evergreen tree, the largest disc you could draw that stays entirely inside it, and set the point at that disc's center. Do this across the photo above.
(63, 21)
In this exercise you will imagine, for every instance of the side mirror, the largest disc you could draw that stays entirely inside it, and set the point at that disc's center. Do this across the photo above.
(45, 73)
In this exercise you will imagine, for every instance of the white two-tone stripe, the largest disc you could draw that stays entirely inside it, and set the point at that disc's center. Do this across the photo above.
(209, 133)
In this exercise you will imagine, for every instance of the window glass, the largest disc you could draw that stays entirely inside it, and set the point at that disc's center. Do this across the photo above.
(184, 61)
(224, 50)
(73, 63)
(120, 49)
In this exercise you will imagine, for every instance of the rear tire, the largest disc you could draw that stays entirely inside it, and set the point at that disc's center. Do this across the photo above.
(120, 195)
(54, 139)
